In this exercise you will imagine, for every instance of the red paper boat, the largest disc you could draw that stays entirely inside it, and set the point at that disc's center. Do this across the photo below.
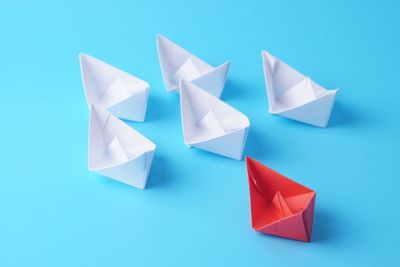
(279, 206)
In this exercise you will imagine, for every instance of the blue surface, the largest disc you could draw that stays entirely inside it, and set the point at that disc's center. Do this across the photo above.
(195, 212)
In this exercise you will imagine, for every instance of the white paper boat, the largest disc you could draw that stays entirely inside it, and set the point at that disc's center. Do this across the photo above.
(176, 63)
(107, 87)
(210, 124)
(118, 151)
(295, 96)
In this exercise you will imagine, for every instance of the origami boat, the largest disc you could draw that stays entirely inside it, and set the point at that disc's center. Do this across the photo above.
(107, 87)
(177, 63)
(118, 151)
(279, 206)
(210, 124)
(295, 96)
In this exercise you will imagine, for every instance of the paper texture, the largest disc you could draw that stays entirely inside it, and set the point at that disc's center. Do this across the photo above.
(295, 96)
(210, 124)
(176, 63)
(107, 87)
(279, 206)
(118, 151)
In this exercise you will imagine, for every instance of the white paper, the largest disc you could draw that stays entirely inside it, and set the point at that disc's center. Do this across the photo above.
(107, 87)
(118, 151)
(295, 96)
(210, 124)
(177, 63)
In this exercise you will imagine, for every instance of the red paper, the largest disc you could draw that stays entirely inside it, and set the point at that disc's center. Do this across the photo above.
(279, 205)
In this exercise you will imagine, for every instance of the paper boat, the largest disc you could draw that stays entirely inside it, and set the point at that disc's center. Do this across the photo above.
(107, 87)
(210, 124)
(118, 151)
(177, 63)
(279, 206)
(295, 96)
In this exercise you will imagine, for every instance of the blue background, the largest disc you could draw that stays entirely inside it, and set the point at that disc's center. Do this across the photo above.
(195, 211)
